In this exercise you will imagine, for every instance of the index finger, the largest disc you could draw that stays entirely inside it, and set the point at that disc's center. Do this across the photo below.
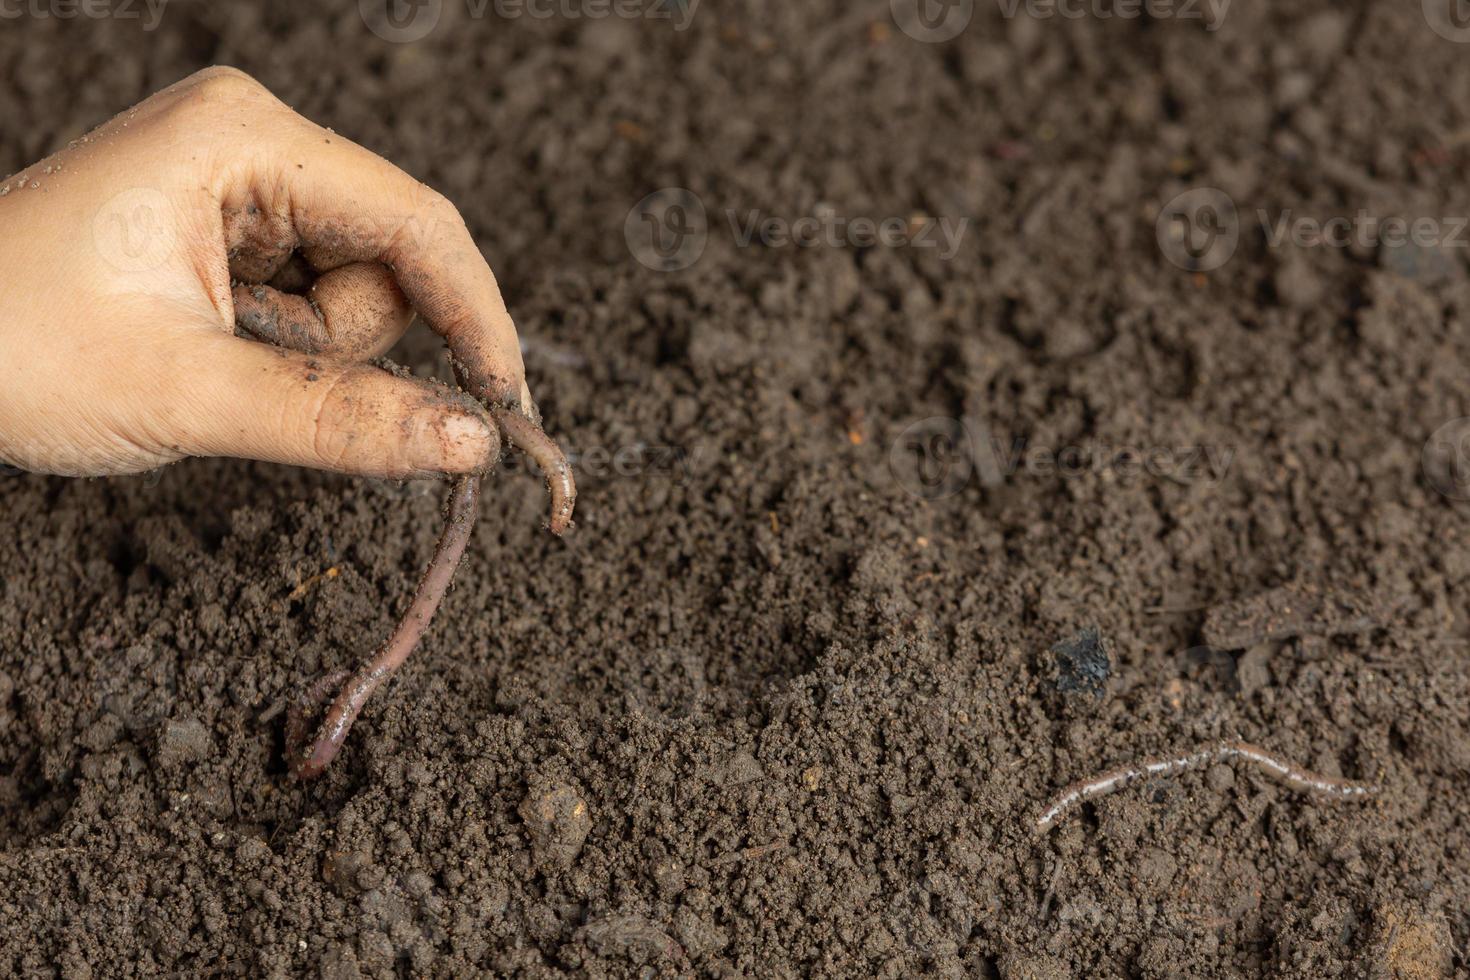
(347, 204)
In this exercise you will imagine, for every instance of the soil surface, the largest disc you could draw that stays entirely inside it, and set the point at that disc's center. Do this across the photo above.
(790, 698)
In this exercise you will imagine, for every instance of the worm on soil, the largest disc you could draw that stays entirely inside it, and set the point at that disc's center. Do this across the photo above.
(1292, 776)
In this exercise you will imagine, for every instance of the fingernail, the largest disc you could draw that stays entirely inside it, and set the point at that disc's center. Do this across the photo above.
(460, 444)
(528, 404)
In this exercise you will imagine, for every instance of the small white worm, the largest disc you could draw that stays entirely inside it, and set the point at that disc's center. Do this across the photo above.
(1295, 777)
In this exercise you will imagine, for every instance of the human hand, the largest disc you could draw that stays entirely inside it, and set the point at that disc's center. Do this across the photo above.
(130, 259)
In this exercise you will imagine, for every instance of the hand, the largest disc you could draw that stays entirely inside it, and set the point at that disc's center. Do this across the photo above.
(133, 258)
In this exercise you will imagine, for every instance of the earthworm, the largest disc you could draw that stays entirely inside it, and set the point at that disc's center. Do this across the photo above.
(1292, 776)
(530, 439)
(311, 760)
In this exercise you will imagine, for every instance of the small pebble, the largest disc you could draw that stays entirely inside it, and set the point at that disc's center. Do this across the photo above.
(558, 821)
(1083, 665)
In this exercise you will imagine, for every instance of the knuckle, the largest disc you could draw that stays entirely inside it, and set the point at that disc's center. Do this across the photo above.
(433, 218)
(208, 91)
(223, 83)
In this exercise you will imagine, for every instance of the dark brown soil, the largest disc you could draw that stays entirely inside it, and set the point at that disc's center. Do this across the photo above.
(765, 713)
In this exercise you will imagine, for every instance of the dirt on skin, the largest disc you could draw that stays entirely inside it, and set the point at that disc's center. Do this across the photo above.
(767, 712)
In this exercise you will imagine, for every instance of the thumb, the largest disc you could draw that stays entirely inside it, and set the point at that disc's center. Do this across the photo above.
(234, 397)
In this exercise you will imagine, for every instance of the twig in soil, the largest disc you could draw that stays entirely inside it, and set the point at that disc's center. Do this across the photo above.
(1292, 776)
(307, 585)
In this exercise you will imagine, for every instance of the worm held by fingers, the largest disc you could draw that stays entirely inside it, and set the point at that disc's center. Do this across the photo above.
(1292, 776)
(532, 440)
(311, 760)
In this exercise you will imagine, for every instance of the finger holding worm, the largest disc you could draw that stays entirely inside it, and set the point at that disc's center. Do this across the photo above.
(1292, 776)
(355, 311)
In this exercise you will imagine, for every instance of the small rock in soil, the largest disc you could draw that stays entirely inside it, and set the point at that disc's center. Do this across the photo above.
(558, 820)
(1083, 666)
